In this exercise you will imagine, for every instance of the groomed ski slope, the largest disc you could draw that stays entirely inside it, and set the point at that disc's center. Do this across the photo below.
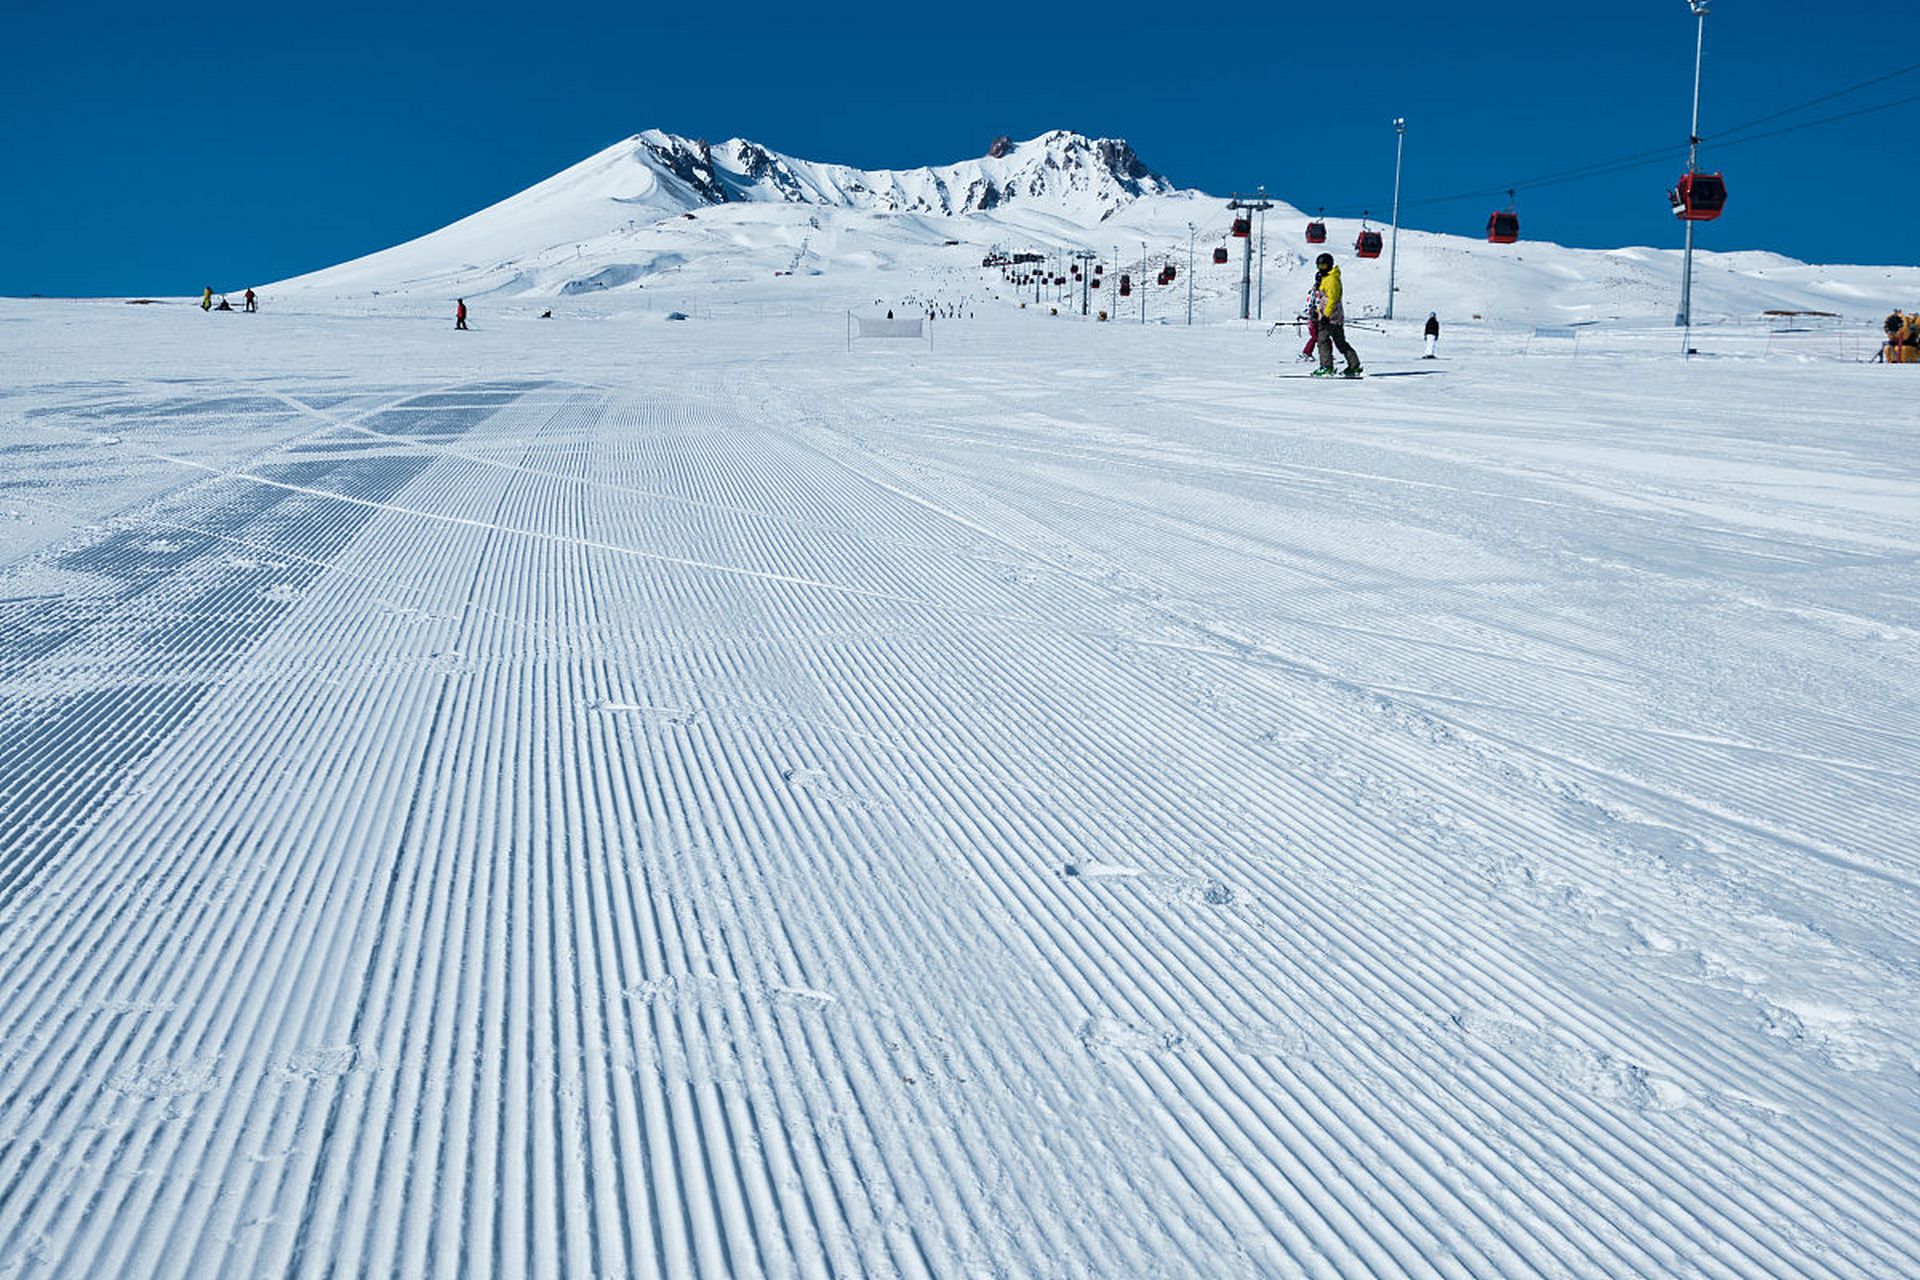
(627, 799)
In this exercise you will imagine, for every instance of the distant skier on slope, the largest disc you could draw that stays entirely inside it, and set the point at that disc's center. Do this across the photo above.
(1433, 335)
(459, 313)
(206, 297)
(250, 304)
(1330, 312)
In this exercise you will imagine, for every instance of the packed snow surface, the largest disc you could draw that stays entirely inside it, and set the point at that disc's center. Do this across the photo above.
(604, 797)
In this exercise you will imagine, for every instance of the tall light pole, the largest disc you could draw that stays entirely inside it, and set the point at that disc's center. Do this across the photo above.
(1189, 274)
(1260, 291)
(1142, 286)
(1685, 318)
(1393, 253)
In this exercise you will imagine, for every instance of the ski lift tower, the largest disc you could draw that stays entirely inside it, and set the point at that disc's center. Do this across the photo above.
(1260, 205)
(1685, 318)
(1085, 258)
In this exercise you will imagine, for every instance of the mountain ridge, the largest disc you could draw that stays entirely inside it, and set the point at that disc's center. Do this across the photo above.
(1057, 167)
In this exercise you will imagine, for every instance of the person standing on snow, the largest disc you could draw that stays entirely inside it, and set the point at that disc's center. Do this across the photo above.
(206, 297)
(1331, 312)
(459, 313)
(250, 304)
(1433, 335)
(1313, 317)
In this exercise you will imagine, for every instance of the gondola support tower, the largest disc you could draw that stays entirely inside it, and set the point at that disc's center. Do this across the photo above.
(1685, 318)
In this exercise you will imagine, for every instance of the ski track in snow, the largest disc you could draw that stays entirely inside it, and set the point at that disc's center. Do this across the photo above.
(743, 814)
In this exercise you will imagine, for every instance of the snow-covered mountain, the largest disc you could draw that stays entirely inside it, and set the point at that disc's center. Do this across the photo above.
(1086, 178)
(692, 223)
(656, 178)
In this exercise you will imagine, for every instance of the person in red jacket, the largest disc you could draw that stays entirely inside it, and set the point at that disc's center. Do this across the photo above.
(249, 304)
(459, 313)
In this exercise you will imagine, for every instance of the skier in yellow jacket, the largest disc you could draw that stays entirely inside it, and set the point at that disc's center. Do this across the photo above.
(1330, 308)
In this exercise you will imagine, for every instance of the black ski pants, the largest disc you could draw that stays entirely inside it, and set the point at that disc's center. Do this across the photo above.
(1333, 333)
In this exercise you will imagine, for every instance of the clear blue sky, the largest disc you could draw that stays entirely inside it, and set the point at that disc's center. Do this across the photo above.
(150, 149)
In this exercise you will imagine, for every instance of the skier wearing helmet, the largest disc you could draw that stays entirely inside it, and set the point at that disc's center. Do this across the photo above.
(1332, 314)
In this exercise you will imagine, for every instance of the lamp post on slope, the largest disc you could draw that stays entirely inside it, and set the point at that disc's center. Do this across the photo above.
(1393, 253)
(1260, 290)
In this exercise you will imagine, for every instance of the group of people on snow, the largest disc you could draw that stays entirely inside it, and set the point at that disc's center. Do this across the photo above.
(1327, 323)
(1328, 309)
(251, 302)
(931, 308)
(207, 302)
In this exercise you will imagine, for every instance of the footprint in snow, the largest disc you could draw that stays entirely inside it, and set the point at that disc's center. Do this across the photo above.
(1105, 1038)
(711, 989)
(678, 717)
(805, 997)
(166, 1079)
(130, 1006)
(816, 782)
(1099, 870)
(1580, 1067)
(1272, 1040)
(323, 1062)
(1215, 894)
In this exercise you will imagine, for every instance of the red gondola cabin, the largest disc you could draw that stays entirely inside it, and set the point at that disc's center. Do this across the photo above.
(1316, 232)
(1698, 197)
(1242, 228)
(1367, 244)
(1220, 254)
(1503, 227)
